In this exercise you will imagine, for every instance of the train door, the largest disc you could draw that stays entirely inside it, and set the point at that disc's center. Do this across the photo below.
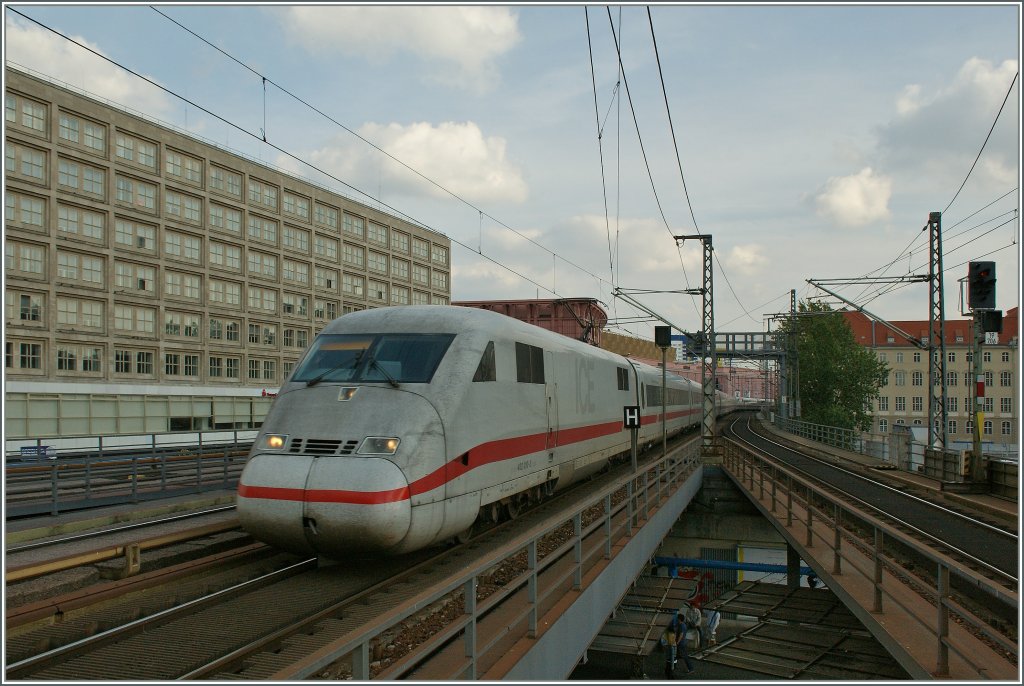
(551, 399)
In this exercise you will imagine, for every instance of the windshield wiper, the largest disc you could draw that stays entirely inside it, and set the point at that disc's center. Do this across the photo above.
(391, 379)
(319, 377)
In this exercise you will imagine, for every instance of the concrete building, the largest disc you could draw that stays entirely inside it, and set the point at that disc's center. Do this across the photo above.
(904, 398)
(156, 282)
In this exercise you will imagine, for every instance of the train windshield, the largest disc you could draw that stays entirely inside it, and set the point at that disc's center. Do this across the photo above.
(384, 358)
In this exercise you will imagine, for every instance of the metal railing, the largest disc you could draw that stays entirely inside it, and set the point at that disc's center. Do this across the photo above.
(78, 472)
(478, 640)
(859, 548)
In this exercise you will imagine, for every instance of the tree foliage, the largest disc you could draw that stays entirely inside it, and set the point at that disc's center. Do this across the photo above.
(838, 377)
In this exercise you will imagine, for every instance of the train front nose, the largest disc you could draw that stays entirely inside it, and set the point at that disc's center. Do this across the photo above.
(325, 505)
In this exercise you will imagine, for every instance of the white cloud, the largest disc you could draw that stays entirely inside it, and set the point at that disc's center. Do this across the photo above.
(855, 200)
(455, 155)
(469, 39)
(50, 54)
(746, 259)
(938, 132)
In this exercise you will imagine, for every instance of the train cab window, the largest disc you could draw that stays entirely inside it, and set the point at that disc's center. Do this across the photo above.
(387, 358)
(485, 371)
(529, 363)
(622, 378)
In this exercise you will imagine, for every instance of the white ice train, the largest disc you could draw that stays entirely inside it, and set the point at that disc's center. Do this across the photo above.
(402, 425)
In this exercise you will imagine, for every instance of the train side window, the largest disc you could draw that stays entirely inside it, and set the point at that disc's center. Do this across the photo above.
(622, 376)
(529, 363)
(485, 371)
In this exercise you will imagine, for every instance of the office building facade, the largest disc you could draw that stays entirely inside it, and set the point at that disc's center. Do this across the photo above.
(157, 282)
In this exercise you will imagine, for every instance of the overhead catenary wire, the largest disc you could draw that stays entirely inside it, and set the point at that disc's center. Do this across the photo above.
(374, 146)
(281, 150)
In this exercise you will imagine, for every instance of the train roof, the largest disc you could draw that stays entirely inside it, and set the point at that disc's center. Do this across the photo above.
(456, 319)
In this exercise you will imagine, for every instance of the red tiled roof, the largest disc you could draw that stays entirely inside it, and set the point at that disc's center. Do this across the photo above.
(875, 334)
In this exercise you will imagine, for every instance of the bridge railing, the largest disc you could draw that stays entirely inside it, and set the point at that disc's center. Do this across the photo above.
(76, 472)
(867, 562)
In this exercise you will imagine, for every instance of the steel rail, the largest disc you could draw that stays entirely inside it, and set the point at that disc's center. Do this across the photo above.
(20, 669)
(1012, 579)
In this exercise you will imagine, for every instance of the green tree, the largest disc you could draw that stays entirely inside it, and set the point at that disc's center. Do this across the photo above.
(838, 377)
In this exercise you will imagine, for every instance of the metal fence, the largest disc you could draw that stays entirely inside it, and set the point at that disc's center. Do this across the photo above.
(78, 472)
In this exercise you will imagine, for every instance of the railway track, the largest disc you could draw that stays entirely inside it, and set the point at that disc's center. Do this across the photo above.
(981, 549)
(979, 545)
(255, 630)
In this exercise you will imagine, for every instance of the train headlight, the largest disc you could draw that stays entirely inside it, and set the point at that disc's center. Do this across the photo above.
(378, 445)
(275, 441)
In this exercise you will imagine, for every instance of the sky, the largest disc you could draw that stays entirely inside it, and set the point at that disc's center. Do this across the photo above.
(808, 141)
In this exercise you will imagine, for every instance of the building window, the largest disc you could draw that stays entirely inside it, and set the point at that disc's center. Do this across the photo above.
(296, 272)
(326, 248)
(400, 242)
(917, 378)
(182, 247)
(883, 403)
(439, 254)
(951, 426)
(295, 305)
(224, 256)
(352, 285)
(25, 163)
(130, 319)
(883, 426)
(1005, 379)
(182, 167)
(263, 299)
(296, 338)
(137, 194)
(295, 239)
(183, 208)
(399, 269)
(377, 290)
(901, 377)
(951, 357)
(986, 356)
(225, 219)
(917, 357)
(135, 277)
(901, 403)
(951, 378)
(325, 310)
(399, 295)
(27, 114)
(377, 262)
(1006, 405)
(1005, 356)
(295, 205)
(376, 233)
(420, 298)
(24, 259)
(420, 249)
(226, 293)
(135, 235)
(82, 178)
(353, 225)
(27, 308)
(226, 181)
(917, 403)
(75, 222)
(181, 325)
(81, 269)
(987, 427)
(420, 275)
(26, 210)
(353, 255)
(183, 286)
(135, 150)
(263, 265)
(20, 355)
(1007, 429)
(263, 193)
(83, 133)
(951, 404)
(261, 229)
(327, 216)
(439, 281)
(439, 300)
